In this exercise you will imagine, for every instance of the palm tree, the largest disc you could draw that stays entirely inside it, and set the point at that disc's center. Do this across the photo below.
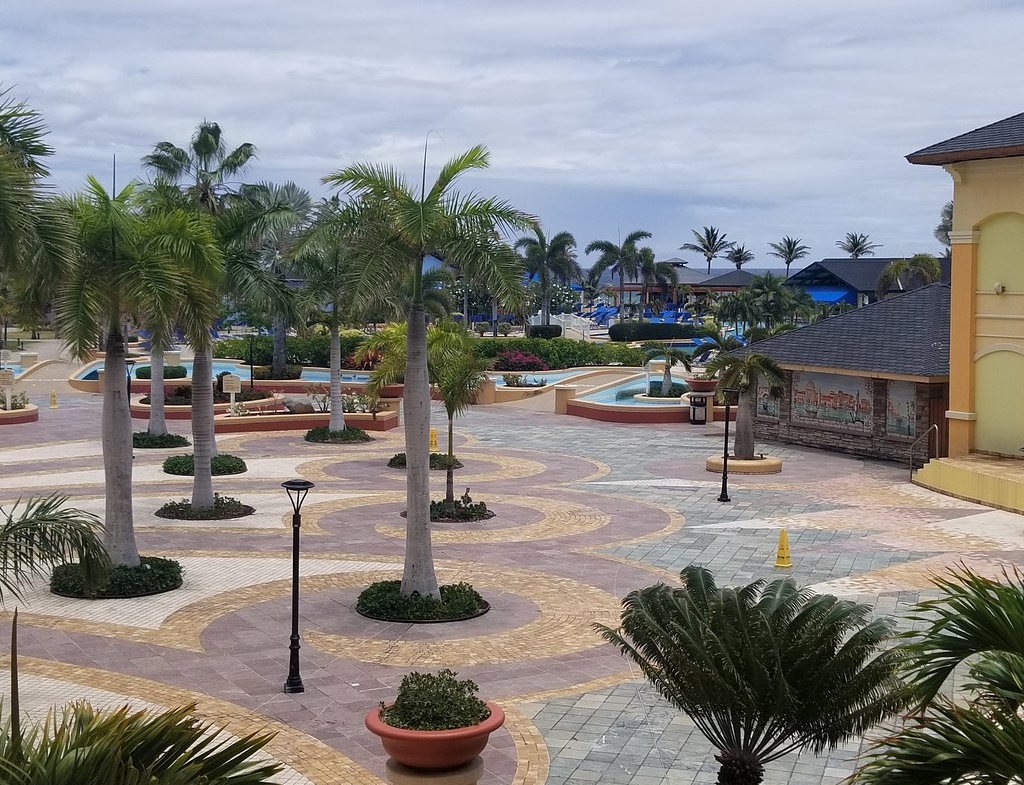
(654, 274)
(43, 533)
(944, 227)
(551, 261)
(590, 284)
(672, 356)
(459, 380)
(920, 269)
(857, 245)
(772, 298)
(622, 260)
(789, 249)
(973, 738)
(755, 334)
(743, 371)
(764, 669)
(739, 255)
(708, 243)
(396, 227)
(200, 174)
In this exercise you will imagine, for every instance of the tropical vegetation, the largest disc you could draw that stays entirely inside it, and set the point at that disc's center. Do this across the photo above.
(751, 374)
(550, 261)
(622, 260)
(919, 270)
(789, 249)
(857, 245)
(709, 242)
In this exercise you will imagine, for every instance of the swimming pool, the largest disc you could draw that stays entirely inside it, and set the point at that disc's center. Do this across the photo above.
(621, 394)
(536, 377)
(221, 366)
(18, 370)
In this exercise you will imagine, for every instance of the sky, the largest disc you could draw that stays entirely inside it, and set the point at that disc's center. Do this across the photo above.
(762, 119)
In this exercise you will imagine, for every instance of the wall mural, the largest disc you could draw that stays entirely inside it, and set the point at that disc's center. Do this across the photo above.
(901, 409)
(767, 407)
(833, 400)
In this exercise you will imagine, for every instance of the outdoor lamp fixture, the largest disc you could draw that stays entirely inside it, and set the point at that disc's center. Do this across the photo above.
(727, 393)
(252, 352)
(129, 366)
(297, 490)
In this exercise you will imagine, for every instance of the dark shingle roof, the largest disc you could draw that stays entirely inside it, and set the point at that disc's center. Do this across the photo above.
(730, 278)
(860, 274)
(905, 334)
(1002, 139)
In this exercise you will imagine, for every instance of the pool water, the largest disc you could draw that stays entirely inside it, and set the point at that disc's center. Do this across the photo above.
(18, 370)
(622, 395)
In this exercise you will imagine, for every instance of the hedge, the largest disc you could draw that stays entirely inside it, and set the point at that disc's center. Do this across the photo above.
(314, 351)
(170, 372)
(646, 331)
(564, 352)
(543, 331)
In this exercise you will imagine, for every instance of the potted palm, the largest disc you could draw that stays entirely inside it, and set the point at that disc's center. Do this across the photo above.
(436, 722)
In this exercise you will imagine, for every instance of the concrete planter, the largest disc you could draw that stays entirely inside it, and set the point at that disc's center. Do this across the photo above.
(29, 414)
(435, 750)
(223, 423)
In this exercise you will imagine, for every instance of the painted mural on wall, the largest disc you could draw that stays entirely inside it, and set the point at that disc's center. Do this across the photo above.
(768, 408)
(901, 409)
(833, 400)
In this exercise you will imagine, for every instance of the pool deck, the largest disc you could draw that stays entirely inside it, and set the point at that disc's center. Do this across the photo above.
(586, 512)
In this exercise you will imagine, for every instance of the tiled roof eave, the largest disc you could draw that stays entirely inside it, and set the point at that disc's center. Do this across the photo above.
(958, 156)
(873, 373)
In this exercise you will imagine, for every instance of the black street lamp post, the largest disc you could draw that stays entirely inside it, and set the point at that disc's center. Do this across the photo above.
(252, 351)
(728, 393)
(129, 366)
(297, 490)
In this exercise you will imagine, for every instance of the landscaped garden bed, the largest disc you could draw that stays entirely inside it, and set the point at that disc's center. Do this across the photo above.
(347, 435)
(184, 465)
(224, 508)
(384, 601)
(438, 461)
(153, 576)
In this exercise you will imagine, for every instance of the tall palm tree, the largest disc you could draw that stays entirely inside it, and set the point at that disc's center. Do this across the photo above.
(459, 380)
(201, 174)
(739, 255)
(552, 261)
(654, 274)
(708, 242)
(977, 737)
(764, 669)
(125, 264)
(590, 284)
(622, 260)
(857, 245)
(944, 227)
(43, 533)
(743, 371)
(396, 227)
(920, 269)
(672, 356)
(773, 298)
(789, 249)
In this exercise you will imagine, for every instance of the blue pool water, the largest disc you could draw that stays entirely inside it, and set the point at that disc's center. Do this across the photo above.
(220, 366)
(549, 377)
(18, 370)
(622, 394)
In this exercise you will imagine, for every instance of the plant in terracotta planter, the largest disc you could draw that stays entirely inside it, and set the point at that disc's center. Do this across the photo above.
(702, 382)
(436, 722)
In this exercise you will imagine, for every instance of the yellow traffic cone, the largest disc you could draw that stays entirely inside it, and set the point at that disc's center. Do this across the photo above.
(433, 439)
(53, 399)
(782, 554)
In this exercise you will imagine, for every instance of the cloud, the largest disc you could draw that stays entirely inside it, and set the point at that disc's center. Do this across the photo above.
(762, 118)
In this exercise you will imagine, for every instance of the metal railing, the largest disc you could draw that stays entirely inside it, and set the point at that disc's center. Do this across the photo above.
(933, 428)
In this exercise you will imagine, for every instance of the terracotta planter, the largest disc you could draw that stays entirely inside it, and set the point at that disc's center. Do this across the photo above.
(702, 385)
(435, 749)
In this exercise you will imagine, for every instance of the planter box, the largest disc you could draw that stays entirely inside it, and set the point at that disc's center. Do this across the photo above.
(140, 411)
(435, 750)
(702, 385)
(223, 423)
(29, 414)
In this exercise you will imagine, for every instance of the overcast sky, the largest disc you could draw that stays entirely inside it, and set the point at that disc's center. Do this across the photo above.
(760, 118)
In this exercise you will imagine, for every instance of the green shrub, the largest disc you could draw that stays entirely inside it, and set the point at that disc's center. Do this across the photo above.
(564, 352)
(504, 328)
(543, 331)
(435, 701)
(144, 440)
(312, 351)
(438, 461)
(384, 600)
(182, 396)
(519, 380)
(676, 390)
(224, 508)
(347, 435)
(184, 465)
(262, 372)
(481, 328)
(153, 575)
(462, 509)
(646, 331)
(170, 372)
(19, 400)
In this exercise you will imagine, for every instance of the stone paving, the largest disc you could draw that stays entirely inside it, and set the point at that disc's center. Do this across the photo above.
(585, 513)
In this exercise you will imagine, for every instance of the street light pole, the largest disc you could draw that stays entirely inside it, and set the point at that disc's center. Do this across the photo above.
(297, 490)
(724, 495)
(252, 342)
(129, 366)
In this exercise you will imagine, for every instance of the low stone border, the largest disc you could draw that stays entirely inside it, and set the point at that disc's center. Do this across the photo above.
(222, 423)
(29, 414)
(766, 465)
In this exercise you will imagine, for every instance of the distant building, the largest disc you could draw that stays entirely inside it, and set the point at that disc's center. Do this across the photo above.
(850, 281)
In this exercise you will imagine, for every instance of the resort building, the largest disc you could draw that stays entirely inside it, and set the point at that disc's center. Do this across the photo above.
(851, 282)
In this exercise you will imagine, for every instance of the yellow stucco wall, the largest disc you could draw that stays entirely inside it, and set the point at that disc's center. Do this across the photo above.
(999, 378)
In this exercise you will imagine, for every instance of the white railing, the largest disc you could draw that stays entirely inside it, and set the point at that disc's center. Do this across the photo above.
(567, 321)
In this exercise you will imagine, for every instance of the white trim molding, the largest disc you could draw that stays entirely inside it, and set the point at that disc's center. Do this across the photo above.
(968, 237)
(954, 415)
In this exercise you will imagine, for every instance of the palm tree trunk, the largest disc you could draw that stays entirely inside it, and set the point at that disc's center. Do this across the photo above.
(643, 303)
(738, 769)
(743, 447)
(449, 475)
(157, 420)
(203, 439)
(337, 409)
(709, 264)
(418, 575)
(465, 304)
(116, 429)
(494, 317)
(788, 263)
(622, 294)
(277, 363)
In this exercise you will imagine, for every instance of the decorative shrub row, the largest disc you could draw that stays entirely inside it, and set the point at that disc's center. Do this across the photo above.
(384, 600)
(170, 372)
(564, 352)
(152, 576)
(462, 509)
(347, 435)
(224, 508)
(182, 396)
(144, 440)
(313, 351)
(263, 372)
(646, 331)
(185, 466)
(438, 461)
(543, 331)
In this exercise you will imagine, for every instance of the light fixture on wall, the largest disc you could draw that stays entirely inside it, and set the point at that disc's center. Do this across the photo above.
(999, 288)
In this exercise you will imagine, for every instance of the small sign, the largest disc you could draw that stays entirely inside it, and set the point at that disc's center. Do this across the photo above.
(6, 379)
(5, 356)
(231, 383)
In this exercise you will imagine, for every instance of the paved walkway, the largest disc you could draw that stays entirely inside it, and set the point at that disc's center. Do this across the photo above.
(585, 513)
